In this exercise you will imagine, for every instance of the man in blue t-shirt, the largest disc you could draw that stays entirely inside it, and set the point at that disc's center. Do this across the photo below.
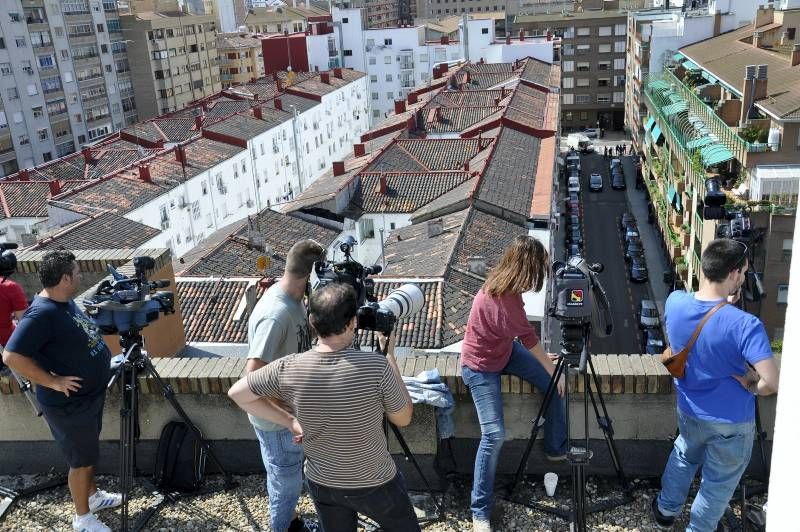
(59, 349)
(716, 396)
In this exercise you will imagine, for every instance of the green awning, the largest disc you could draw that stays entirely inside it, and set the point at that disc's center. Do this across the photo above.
(671, 193)
(690, 65)
(658, 84)
(709, 77)
(699, 142)
(675, 108)
(678, 57)
(715, 154)
(648, 125)
(678, 204)
(656, 133)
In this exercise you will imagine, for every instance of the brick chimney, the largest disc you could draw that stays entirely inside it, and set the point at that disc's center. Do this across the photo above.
(399, 107)
(549, 35)
(278, 104)
(756, 39)
(257, 112)
(338, 168)
(521, 35)
(144, 173)
(435, 227)
(466, 166)
(279, 85)
(325, 78)
(180, 156)
(382, 187)
(87, 155)
(55, 187)
(256, 96)
(796, 54)
(412, 97)
(760, 89)
(275, 76)
(445, 39)
(198, 121)
(337, 73)
(24, 174)
(359, 149)
(508, 38)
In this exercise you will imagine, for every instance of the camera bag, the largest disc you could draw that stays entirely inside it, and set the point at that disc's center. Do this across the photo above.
(676, 363)
(180, 459)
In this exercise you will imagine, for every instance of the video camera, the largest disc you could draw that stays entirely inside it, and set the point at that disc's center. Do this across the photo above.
(579, 301)
(125, 304)
(8, 261)
(371, 315)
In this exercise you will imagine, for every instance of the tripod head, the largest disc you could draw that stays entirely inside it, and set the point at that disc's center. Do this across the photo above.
(574, 344)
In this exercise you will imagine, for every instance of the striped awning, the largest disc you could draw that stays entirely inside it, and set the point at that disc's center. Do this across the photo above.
(658, 84)
(690, 65)
(671, 193)
(656, 133)
(675, 108)
(699, 142)
(715, 154)
(648, 125)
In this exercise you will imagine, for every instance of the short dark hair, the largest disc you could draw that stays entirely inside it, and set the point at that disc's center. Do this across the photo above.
(54, 266)
(721, 257)
(331, 308)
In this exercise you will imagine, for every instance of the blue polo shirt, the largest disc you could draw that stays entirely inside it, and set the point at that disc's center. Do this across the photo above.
(729, 338)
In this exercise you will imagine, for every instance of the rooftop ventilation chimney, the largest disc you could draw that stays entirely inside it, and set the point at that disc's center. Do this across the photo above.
(279, 85)
(445, 39)
(198, 121)
(756, 38)
(477, 265)
(521, 35)
(87, 155)
(278, 104)
(399, 107)
(359, 149)
(24, 174)
(412, 97)
(180, 156)
(382, 187)
(325, 78)
(337, 73)
(338, 168)
(144, 173)
(435, 227)
(55, 187)
(508, 38)
(257, 112)
(796, 54)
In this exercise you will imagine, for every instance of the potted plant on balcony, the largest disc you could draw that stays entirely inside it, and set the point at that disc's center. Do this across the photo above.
(680, 183)
(686, 235)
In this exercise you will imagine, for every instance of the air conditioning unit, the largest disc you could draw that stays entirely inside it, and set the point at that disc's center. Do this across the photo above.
(29, 70)
(249, 203)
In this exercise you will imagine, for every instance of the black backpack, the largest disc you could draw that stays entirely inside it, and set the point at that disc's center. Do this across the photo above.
(180, 459)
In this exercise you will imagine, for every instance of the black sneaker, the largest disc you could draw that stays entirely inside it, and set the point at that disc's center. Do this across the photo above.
(663, 522)
(300, 525)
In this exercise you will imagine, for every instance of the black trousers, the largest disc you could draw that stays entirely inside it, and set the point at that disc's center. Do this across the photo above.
(387, 504)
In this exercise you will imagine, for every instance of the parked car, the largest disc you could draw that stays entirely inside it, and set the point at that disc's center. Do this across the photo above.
(573, 221)
(633, 248)
(631, 232)
(591, 132)
(626, 221)
(573, 161)
(574, 185)
(596, 183)
(618, 182)
(615, 163)
(638, 270)
(574, 236)
(574, 209)
(653, 342)
(574, 250)
(648, 315)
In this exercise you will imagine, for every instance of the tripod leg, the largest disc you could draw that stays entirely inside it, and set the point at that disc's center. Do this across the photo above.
(551, 389)
(169, 395)
(411, 458)
(761, 436)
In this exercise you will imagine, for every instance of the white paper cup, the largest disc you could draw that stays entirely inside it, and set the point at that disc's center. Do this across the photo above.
(550, 482)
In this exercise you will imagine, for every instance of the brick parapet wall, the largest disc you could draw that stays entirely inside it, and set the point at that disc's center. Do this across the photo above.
(617, 374)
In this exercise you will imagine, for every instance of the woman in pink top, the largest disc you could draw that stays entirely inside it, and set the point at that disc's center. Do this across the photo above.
(500, 340)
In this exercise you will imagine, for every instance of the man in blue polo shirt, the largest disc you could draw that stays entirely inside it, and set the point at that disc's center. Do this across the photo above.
(716, 396)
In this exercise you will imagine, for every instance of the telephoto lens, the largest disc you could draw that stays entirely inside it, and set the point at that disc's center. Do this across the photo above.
(404, 301)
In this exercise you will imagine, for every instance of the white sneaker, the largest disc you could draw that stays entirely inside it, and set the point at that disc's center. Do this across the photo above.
(481, 525)
(88, 523)
(102, 500)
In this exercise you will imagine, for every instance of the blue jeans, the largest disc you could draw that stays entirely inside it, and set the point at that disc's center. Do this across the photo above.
(387, 504)
(283, 461)
(485, 390)
(723, 451)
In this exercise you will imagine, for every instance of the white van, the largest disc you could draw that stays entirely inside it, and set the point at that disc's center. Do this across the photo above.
(579, 142)
(574, 185)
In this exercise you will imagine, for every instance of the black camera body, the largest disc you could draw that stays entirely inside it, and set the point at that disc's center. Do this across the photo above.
(125, 304)
(372, 317)
(8, 261)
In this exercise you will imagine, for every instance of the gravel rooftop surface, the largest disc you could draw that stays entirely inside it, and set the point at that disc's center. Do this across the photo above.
(245, 508)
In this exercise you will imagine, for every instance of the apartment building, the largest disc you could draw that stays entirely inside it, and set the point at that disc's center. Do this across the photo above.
(399, 59)
(240, 58)
(64, 79)
(282, 19)
(654, 35)
(174, 59)
(722, 114)
(592, 62)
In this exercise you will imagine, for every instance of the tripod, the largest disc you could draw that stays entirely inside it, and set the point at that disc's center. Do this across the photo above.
(134, 363)
(572, 353)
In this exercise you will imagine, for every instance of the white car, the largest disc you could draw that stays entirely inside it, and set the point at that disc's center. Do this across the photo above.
(591, 132)
(615, 162)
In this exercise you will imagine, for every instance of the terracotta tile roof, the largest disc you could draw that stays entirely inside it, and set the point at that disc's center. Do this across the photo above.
(485, 235)
(23, 198)
(215, 310)
(470, 98)
(456, 119)
(541, 73)
(405, 192)
(486, 80)
(167, 130)
(237, 40)
(106, 231)
(726, 57)
(246, 127)
(455, 200)
(508, 180)
(444, 154)
(145, 131)
(236, 256)
(491, 68)
(396, 159)
(288, 100)
(107, 158)
(410, 252)
(315, 86)
(528, 106)
(226, 107)
(458, 292)
(322, 192)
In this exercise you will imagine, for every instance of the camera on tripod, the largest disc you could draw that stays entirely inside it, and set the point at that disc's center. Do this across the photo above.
(371, 315)
(125, 304)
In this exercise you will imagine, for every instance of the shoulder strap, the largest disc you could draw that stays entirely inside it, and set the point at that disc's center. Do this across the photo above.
(703, 322)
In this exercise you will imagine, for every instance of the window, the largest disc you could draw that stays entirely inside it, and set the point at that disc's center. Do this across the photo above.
(567, 99)
(584, 32)
(619, 97)
(21, 42)
(423, 58)
(33, 90)
(376, 113)
(23, 139)
(619, 47)
(345, 20)
(373, 78)
(583, 67)
(439, 55)
(46, 62)
(603, 82)
(582, 82)
(387, 42)
(375, 96)
(347, 53)
(568, 83)
(619, 64)
(56, 107)
(2, 43)
(604, 31)
(603, 66)
(604, 48)
(5, 69)
(584, 115)
(37, 111)
(603, 98)
(567, 49)
(18, 118)
(787, 250)
(366, 228)
(582, 98)
(100, 28)
(584, 49)
(782, 294)
(388, 77)
(390, 95)
(568, 116)
(14, 17)
(42, 134)
(12, 93)
(568, 66)
(387, 59)
(619, 29)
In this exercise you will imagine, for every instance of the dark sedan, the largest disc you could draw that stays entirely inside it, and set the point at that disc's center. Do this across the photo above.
(574, 236)
(638, 269)
(653, 342)
(618, 182)
(627, 221)
(634, 248)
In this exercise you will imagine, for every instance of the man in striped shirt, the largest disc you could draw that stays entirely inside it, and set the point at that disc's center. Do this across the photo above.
(339, 396)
